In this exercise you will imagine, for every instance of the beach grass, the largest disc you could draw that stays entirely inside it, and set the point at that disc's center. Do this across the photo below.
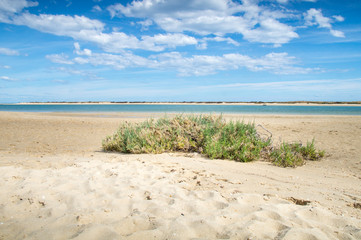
(295, 154)
(208, 135)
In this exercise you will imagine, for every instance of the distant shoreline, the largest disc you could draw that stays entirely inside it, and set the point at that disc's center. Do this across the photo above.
(292, 103)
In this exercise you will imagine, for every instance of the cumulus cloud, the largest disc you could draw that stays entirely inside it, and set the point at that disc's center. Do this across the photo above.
(196, 65)
(219, 17)
(145, 24)
(170, 40)
(61, 25)
(9, 7)
(118, 41)
(202, 44)
(83, 28)
(314, 17)
(279, 63)
(86, 52)
(13, 6)
(210, 18)
(9, 52)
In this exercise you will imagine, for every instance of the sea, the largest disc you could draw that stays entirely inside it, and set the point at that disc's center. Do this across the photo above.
(184, 108)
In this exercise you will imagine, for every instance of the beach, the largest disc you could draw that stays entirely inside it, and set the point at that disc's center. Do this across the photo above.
(57, 183)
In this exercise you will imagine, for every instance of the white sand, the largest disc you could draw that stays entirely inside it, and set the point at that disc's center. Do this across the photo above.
(129, 197)
(67, 189)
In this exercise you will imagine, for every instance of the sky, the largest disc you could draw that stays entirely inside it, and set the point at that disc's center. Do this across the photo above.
(180, 50)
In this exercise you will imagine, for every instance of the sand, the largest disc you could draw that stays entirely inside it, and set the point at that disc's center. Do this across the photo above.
(56, 183)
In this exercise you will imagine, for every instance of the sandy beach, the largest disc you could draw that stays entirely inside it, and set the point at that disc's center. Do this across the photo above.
(57, 183)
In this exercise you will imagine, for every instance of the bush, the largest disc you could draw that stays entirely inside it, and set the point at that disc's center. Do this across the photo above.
(208, 135)
(294, 154)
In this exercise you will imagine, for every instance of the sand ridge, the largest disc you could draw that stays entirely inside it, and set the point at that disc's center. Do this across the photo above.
(57, 184)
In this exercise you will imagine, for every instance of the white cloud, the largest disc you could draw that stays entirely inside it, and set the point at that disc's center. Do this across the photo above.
(219, 17)
(61, 25)
(337, 33)
(14, 6)
(9, 52)
(169, 40)
(9, 7)
(116, 61)
(198, 65)
(118, 41)
(315, 17)
(83, 28)
(86, 52)
(6, 78)
(203, 42)
(145, 24)
(222, 39)
(271, 31)
(96, 8)
(5, 66)
(59, 58)
(338, 18)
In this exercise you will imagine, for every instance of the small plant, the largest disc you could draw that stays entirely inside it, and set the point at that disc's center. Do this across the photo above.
(211, 136)
(294, 154)
(309, 152)
(235, 141)
(286, 156)
(208, 135)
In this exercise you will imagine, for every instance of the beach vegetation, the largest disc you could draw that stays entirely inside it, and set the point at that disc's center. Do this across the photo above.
(295, 154)
(209, 135)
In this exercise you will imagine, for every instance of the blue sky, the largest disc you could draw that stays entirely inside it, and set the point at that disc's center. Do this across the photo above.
(172, 50)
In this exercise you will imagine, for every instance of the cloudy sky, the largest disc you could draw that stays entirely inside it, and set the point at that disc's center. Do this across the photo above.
(180, 50)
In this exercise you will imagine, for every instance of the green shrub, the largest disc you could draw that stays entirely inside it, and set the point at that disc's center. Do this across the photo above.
(235, 141)
(208, 135)
(286, 156)
(295, 154)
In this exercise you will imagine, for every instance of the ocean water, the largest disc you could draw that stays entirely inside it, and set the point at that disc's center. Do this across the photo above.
(174, 108)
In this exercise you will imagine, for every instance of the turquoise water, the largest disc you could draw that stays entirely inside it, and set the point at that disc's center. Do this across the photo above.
(166, 108)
